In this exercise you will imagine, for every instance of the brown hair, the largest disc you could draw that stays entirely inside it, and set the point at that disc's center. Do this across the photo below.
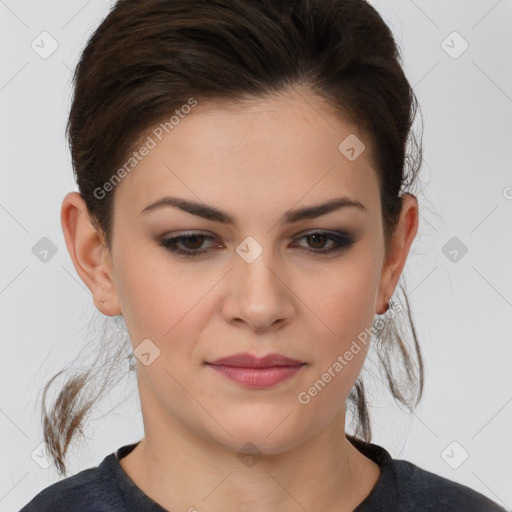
(149, 57)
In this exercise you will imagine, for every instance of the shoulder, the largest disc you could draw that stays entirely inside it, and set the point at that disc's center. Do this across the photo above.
(404, 486)
(86, 490)
(419, 489)
(69, 492)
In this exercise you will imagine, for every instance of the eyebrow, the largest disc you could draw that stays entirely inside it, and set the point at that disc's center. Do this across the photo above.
(216, 215)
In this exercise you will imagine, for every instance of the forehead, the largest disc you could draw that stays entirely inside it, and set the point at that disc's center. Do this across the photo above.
(274, 151)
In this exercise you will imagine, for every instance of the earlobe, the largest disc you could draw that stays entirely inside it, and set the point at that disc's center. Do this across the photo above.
(403, 237)
(89, 253)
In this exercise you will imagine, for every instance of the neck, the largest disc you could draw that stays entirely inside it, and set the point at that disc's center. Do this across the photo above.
(184, 470)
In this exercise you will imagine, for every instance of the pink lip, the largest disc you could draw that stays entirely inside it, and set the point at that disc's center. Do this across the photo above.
(257, 372)
(246, 360)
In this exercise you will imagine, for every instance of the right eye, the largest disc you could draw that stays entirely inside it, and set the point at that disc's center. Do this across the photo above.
(192, 242)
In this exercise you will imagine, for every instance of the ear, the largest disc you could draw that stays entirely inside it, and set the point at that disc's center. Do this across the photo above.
(90, 254)
(401, 242)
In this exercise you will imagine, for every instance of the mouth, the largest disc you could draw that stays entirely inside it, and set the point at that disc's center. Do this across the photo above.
(257, 372)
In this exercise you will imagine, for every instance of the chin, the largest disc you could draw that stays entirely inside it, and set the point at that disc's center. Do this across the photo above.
(269, 433)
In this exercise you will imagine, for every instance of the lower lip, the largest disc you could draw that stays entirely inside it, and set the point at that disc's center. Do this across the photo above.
(258, 377)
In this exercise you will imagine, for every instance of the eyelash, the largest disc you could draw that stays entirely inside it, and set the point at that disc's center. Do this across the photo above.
(342, 240)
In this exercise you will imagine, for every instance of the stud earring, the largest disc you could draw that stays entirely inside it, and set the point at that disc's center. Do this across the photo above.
(389, 305)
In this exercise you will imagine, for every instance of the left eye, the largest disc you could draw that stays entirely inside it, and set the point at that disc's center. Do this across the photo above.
(339, 239)
(193, 242)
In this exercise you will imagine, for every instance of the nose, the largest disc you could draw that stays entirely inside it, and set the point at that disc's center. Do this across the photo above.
(259, 294)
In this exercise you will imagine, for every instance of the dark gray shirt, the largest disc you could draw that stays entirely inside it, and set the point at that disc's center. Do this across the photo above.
(402, 486)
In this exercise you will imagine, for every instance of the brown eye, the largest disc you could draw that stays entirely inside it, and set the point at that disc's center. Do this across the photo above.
(193, 241)
(317, 240)
(186, 245)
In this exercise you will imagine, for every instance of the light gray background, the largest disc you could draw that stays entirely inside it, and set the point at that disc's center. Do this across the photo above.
(462, 308)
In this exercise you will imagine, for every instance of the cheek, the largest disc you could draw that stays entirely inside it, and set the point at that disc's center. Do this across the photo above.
(160, 300)
(344, 306)
(150, 297)
(342, 339)
(343, 298)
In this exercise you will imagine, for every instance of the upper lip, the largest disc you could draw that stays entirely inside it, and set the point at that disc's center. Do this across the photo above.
(246, 360)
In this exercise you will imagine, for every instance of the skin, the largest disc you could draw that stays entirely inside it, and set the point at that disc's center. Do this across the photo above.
(254, 160)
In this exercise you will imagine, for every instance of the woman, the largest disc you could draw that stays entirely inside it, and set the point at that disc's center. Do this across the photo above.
(245, 205)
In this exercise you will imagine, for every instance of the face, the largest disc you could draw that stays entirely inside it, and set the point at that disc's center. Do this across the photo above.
(256, 280)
